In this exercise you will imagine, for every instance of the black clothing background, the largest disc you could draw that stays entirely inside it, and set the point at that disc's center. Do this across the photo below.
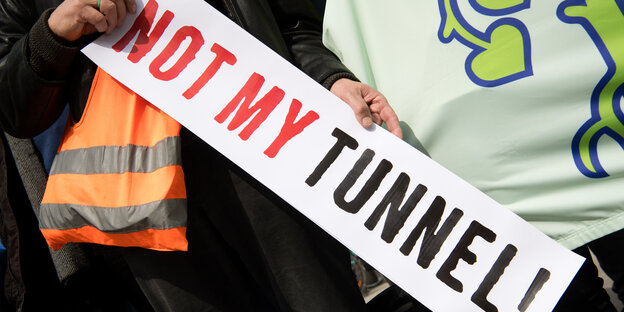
(248, 250)
(30, 279)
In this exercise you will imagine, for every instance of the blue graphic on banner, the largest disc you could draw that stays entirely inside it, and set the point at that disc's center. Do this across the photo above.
(604, 22)
(499, 7)
(502, 53)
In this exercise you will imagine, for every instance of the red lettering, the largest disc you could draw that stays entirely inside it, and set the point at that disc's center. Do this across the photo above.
(197, 41)
(290, 128)
(142, 25)
(263, 107)
(222, 55)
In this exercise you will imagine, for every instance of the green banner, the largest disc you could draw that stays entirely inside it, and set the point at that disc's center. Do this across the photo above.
(520, 98)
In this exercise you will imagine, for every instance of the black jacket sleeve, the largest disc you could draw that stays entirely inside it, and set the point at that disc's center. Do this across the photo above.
(301, 26)
(33, 67)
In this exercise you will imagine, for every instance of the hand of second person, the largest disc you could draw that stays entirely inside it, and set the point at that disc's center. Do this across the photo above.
(74, 18)
(368, 104)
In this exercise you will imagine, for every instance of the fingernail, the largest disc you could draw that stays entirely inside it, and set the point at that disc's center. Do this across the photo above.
(367, 121)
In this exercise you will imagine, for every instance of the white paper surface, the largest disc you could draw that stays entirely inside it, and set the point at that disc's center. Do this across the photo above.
(287, 172)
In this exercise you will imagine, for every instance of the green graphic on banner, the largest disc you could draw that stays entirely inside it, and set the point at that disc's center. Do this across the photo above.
(502, 53)
(499, 4)
(604, 22)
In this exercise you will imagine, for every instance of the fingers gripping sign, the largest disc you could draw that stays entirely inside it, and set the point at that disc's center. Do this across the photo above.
(74, 18)
(115, 12)
(368, 104)
(109, 9)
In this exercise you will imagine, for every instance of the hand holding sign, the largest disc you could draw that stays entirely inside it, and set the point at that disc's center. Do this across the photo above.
(75, 18)
(368, 104)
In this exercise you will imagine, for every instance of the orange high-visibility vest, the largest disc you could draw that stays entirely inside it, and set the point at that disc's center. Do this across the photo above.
(117, 177)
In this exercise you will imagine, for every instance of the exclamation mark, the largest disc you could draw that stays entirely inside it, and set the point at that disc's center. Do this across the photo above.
(540, 279)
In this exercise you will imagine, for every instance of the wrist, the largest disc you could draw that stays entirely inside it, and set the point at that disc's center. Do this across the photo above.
(329, 81)
(50, 55)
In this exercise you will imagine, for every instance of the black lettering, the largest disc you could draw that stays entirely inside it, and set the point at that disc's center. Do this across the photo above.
(480, 296)
(431, 242)
(343, 140)
(396, 218)
(540, 279)
(369, 187)
(461, 252)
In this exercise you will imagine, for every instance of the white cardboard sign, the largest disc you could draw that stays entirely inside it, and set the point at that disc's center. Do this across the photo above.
(437, 237)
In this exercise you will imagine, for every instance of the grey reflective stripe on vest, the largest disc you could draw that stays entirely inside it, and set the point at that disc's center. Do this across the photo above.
(119, 159)
(159, 215)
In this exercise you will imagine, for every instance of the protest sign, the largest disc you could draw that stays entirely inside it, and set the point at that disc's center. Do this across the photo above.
(437, 237)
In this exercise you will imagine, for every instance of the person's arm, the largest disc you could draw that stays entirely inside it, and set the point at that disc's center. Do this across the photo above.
(36, 52)
(301, 27)
(32, 67)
